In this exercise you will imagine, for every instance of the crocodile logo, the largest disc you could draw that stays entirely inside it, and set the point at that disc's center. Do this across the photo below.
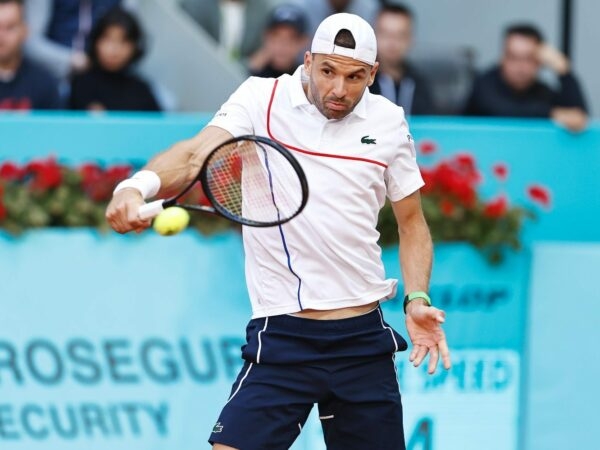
(367, 140)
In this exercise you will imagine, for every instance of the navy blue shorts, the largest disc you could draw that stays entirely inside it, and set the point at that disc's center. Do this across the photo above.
(345, 366)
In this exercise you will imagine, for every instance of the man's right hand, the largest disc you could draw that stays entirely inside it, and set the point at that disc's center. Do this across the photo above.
(554, 59)
(122, 212)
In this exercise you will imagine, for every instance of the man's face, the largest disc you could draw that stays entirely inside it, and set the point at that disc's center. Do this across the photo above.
(337, 83)
(394, 37)
(12, 31)
(283, 43)
(520, 62)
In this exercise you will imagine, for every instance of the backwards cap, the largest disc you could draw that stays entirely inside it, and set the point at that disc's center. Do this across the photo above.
(364, 36)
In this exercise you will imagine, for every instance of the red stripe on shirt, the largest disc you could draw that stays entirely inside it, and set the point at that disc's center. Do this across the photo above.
(308, 152)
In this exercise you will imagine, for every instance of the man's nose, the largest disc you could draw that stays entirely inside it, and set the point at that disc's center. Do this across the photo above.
(339, 87)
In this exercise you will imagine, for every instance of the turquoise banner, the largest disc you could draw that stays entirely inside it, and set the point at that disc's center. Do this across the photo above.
(112, 342)
(563, 359)
(133, 343)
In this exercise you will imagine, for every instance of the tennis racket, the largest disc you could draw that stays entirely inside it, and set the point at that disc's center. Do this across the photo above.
(250, 180)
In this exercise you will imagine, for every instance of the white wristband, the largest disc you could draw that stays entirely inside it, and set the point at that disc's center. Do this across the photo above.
(145, 181)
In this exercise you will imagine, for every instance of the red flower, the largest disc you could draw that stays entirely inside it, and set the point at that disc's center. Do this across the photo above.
(10, 171)
(427, 147)
(496, 208)
(447, 207)
(500, 171)
(90, 172)
(99, 184)
(118, 173)
(235, 162)
(429, 180)
(46, 174)
(539, 194)
(465, 161)
(457, 183)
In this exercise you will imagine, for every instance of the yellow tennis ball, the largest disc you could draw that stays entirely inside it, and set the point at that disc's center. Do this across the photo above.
(171, 221)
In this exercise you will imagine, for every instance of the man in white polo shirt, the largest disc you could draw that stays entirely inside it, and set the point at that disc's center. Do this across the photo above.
(317, 333)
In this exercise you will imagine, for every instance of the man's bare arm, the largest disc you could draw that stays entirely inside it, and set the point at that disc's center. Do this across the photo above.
(175, 167)
(423, 322)
(416, 248)
(178, 166)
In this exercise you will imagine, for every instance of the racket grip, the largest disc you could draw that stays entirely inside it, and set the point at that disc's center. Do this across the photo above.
(150, 210)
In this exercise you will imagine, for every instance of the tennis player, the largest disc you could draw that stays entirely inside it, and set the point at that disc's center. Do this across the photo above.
(317, 334)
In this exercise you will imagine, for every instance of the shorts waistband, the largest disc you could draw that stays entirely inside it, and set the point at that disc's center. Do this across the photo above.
(289, 322)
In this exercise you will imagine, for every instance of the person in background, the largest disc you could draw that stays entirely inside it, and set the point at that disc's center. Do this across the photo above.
(283, 41)
(320, 9)
(513, 89)
(397, 80)
(59, 31)
(23, 84)
(116, 43)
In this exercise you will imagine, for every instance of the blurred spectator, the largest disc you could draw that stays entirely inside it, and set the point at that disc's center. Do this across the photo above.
(23, 85)
(116, 43)
(236, 24)
(396, 79)
(284, 39)
(59, 31)
(319, 9)
(513, 89)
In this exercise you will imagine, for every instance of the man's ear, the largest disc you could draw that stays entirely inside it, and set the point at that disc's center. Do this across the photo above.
(373, 73)
(307, 61)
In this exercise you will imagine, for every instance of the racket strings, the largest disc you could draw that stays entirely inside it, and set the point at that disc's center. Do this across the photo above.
(254, 181)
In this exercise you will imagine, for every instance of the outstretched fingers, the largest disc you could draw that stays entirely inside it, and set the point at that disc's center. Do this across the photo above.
(434, 357)
(443, 346)
(418, 354)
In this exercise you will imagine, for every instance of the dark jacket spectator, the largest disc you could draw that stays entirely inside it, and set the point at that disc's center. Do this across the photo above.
(23, 85)
(493, 96)
(396, 79)
(513, 89)
(116, 43)
(31, 87)
(412, 91)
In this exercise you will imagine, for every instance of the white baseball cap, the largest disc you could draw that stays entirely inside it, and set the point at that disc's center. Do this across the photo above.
(364, 36)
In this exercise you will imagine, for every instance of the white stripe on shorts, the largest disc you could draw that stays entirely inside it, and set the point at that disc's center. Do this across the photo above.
(389, 329)
(241, 382)
(259, 341)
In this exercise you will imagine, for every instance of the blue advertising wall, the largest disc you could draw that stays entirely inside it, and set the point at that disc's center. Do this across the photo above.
(132, 342)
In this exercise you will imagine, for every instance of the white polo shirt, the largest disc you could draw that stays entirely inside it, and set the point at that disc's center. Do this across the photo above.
(328, 256)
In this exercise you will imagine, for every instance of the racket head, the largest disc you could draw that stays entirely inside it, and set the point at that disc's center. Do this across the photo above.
(254, 181)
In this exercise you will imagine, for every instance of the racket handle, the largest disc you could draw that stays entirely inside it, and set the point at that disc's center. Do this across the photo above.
(151, 210)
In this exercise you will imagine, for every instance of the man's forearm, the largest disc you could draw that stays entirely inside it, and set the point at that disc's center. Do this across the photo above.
(416, 253)
(178, 166)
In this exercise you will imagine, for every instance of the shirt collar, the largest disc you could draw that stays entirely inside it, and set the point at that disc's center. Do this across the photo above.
(298, 97)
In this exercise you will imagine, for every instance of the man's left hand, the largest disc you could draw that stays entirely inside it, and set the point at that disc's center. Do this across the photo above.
(424, 325)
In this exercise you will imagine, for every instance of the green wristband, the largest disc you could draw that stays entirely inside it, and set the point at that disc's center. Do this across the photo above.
(414, 295)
